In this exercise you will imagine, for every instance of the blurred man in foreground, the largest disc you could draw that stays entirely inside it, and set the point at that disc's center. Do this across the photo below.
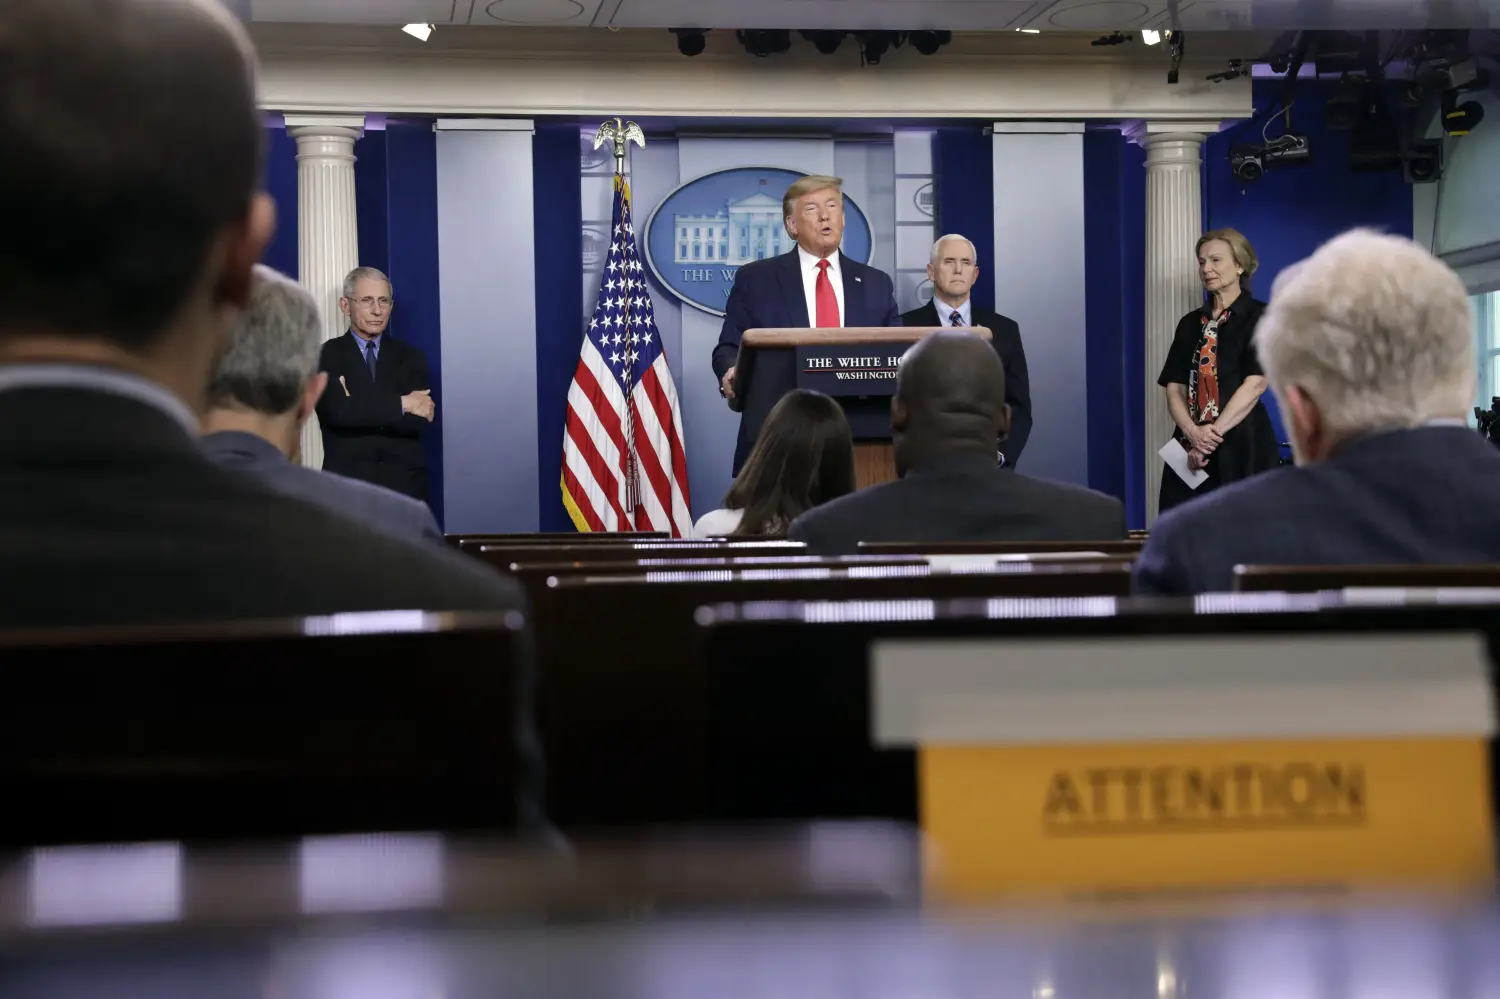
(131, 152)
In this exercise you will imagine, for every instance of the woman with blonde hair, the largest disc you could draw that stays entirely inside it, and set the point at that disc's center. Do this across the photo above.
(1213, 378)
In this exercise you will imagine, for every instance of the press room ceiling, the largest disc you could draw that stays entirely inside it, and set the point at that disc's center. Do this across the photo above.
(969, 15)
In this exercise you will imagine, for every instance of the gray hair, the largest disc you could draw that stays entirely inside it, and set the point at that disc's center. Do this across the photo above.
(274, 347)
(1376, 330)
(359, 274)
(938, 246)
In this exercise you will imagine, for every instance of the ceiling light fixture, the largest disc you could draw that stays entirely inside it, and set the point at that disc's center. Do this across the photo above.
(421, 32)
(1150, 36)
(1030, 31)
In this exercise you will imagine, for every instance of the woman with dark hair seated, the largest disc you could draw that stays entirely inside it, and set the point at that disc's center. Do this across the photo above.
(803, 457)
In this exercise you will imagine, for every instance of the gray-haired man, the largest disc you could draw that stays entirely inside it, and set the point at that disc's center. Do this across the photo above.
(379, 399)
(265, 388)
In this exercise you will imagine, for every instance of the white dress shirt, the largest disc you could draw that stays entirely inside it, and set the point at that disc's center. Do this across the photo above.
(809, 264)
(945, 312)
(718, 523)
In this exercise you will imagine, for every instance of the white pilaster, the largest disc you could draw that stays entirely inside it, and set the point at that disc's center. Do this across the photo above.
(327, 226)
(1174, 221)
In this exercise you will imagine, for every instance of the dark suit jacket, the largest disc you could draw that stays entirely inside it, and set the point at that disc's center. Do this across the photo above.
(1400, 497)
(768, 294)
(111, 513)
(381, 508)
(366, 436)
(960, 497)
(1005, 336)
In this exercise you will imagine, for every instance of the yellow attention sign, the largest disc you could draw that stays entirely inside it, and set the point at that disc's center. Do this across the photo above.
(1177, 815)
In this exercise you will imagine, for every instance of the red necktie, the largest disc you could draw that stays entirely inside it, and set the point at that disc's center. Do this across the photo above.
(828, 304)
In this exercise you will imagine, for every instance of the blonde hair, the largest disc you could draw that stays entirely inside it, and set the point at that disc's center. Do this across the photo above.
(806, 186)
(1239, 248)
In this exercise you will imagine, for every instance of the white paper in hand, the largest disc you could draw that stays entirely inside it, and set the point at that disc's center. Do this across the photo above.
(1176, 458)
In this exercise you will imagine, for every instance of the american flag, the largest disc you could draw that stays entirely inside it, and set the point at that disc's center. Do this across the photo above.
(624, 468)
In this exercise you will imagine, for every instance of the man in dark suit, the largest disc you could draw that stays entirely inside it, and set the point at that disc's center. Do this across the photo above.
(120, 277)
(1369, 347)
(947, 413)
(264, 390)
(379, 398)
(814, 285)
(953, 271)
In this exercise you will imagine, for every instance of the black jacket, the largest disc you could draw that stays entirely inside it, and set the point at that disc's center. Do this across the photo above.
(1251, 446)
(111, 513)
(1005, 336)
(365, 434)
(960, 497)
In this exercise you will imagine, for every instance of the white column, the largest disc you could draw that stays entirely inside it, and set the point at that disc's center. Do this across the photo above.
(1174, 221)
(327, 226)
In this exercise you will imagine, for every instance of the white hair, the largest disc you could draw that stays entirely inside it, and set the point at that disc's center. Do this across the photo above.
(938, 246)
(359, 274)
(1376, 330)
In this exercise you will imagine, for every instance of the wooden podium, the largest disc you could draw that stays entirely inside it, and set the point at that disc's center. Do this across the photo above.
(856, 365)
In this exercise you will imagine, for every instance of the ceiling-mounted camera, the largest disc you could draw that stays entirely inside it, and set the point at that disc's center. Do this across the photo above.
(1249, 162)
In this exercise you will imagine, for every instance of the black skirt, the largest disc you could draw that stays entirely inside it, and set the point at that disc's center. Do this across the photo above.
(1248, 449)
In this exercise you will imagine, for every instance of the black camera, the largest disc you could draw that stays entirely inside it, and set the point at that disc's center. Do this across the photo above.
(1250, 162)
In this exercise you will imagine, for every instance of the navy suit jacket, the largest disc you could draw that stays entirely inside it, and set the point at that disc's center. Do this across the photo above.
(375, 506)
(1394, 498)
(768, 294)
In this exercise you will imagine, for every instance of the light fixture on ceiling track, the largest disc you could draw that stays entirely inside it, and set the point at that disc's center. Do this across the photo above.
(421, 32)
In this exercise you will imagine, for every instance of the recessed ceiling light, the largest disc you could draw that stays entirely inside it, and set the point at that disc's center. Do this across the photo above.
(1030, 31)
(1150, 36)
(421, 32)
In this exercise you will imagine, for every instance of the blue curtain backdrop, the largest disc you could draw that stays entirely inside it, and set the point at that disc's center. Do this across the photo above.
(404, 182)
(963, 176)
(559, 297)
(1114, 289)
(372, 201)
(281, 184)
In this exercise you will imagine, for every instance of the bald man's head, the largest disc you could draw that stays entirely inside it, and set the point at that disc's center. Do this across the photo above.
(129, 161)
(950, 395)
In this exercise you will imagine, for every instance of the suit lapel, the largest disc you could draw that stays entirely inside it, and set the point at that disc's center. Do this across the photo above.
(789, 277)
(854, 287)
(929, 314)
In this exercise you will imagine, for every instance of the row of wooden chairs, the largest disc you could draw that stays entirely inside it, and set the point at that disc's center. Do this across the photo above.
(646, 662)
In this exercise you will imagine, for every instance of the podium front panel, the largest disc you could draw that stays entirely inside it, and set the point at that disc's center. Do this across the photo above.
(841, 370)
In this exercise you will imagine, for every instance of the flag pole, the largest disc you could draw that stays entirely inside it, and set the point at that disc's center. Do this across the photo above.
(621, 134)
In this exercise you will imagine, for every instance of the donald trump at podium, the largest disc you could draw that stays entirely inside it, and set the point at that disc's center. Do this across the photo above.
(814, 285)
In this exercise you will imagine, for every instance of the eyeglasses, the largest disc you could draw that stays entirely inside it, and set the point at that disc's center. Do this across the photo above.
(369, 303)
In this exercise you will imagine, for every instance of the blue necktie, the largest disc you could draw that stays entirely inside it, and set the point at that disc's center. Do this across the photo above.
(955, 319)
(370, 357)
